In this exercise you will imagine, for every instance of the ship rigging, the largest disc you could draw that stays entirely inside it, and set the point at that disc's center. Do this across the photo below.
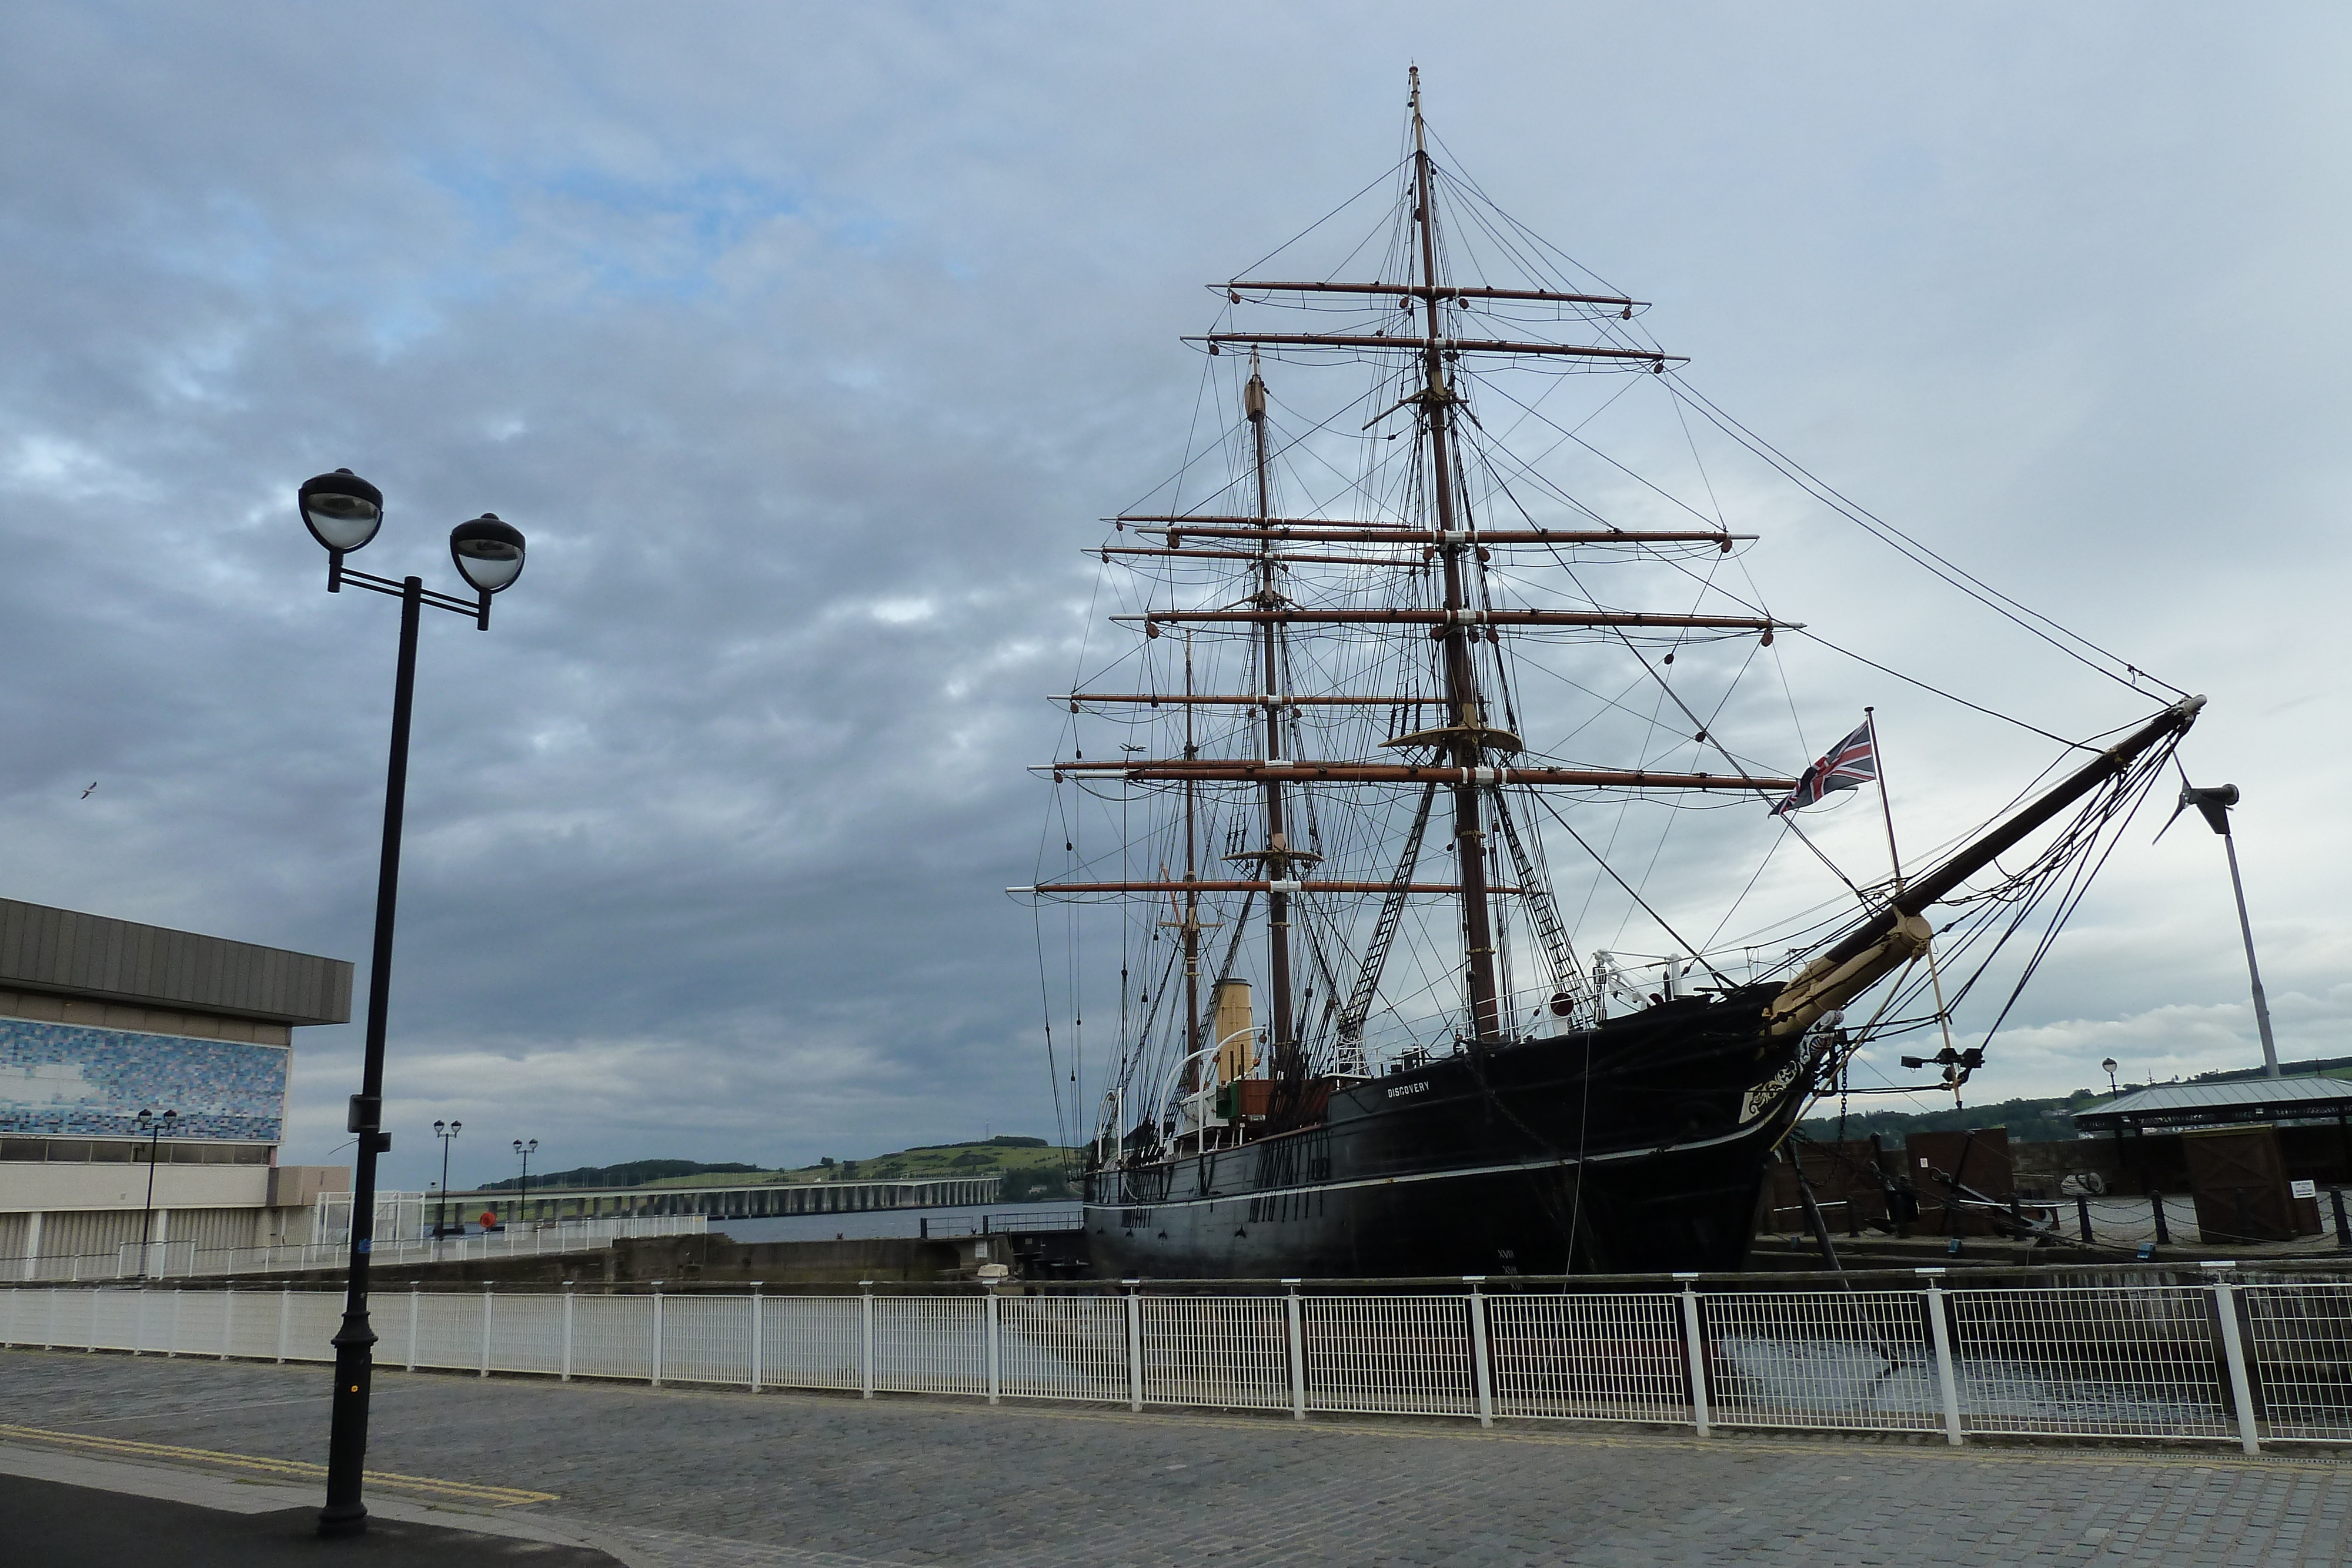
(1388, 620)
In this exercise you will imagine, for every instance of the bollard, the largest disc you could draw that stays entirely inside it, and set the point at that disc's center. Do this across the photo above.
(2163, 1232)
(2343, 1230)
(2083, 1213)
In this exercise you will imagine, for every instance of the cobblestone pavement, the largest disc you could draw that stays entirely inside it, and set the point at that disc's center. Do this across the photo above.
(677, 1478)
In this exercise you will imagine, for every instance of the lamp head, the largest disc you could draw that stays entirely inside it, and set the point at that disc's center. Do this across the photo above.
(2108, 1065)
(146, 1119)
(341, 510)
(440, 1129)
(488, 552)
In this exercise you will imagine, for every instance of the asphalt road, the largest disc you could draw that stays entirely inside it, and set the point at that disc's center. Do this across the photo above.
(670, 1478)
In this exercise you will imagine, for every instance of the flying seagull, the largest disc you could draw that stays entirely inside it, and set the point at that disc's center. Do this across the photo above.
(93, 784)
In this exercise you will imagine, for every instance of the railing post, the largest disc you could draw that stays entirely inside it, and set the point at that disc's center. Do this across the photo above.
(2082, 1213)
(1695, 1353)
(138, 1323)
(1939, 1331)
(1134, 1343)
(173, 1346)
(759, 1325)
(656, 1367)
(995, 1351)
(486, 1330)
(2163, 1231)
(228, 1316)
(568, 1298)
(1294, 1321)
(415, 1289)
(2233, 1354)
(285, 1318)
(865, 1339)
(1482, 1371)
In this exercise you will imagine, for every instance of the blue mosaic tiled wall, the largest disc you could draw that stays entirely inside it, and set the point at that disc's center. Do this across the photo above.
(66, 1080)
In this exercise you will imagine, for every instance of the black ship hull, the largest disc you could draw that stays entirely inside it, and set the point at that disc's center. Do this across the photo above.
(1639, 1146)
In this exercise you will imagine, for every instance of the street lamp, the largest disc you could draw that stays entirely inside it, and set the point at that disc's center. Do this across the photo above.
(526, 1151)
(447, 1132)
(343, 512)
(2213, 804)
(154, 1128)
(2108, 1067)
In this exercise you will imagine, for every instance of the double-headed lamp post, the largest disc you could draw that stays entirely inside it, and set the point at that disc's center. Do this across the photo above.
(523, 1195)
(342, 512)
(447, 1132)
(154, 1128)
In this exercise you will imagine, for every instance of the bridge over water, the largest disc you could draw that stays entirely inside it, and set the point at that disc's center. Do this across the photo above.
(762, 1200)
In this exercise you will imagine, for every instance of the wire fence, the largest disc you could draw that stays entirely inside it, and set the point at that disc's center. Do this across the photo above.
(181, 1259)
(2213, 1361)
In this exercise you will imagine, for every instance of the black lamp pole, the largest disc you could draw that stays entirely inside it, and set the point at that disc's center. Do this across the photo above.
(447, 1132)
(342, 512)
(154, 1128)
(524, 1195)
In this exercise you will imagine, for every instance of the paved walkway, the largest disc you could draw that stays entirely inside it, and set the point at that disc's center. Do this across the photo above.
(668, 1479)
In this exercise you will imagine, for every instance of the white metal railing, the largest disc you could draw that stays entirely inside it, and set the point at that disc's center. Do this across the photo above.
(2216, 1360)
(181, 1259)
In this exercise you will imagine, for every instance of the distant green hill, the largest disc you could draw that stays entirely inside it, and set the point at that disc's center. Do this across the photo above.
(2030, 1121)
(636, 1173)
(1034, 1170)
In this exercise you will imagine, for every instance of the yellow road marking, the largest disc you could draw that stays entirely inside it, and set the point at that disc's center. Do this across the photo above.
(292, 1469)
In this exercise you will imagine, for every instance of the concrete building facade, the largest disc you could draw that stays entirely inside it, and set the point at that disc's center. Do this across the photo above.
(102, 1019)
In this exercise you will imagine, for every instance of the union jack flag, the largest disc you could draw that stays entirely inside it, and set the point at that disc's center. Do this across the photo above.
(1851, 762)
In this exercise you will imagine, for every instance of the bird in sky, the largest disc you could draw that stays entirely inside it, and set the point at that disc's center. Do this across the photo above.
(93, 784)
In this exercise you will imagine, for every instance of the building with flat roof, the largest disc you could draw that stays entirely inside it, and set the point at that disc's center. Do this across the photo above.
(101, 1019)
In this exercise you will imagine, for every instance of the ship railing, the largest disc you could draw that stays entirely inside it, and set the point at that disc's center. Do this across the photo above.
(1204, 1090)
(2192, 1354)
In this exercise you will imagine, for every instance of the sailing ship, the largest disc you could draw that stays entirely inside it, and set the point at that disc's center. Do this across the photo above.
(1434, 1081)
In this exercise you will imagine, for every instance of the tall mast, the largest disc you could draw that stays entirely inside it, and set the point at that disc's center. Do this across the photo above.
(1191, 889)
(1468, 722)
(1278, 857)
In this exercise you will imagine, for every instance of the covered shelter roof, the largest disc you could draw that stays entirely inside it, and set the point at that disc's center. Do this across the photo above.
(2212, 1104)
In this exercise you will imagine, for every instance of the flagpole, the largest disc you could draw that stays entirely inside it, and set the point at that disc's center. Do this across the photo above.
(1894, 858)
(1886, 808)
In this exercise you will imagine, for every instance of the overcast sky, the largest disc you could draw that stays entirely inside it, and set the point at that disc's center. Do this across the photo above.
(806, 342)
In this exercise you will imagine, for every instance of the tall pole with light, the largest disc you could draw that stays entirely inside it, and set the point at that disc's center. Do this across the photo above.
(342, 512)
(2213, 804)
(154, 1128)
(447, 1132)
(524, 1195)
(2108, 1066)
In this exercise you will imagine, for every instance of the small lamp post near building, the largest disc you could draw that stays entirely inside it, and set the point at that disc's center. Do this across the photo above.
(154, 1126)
(522, 1194)
(447, 1132)
(343, 512)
